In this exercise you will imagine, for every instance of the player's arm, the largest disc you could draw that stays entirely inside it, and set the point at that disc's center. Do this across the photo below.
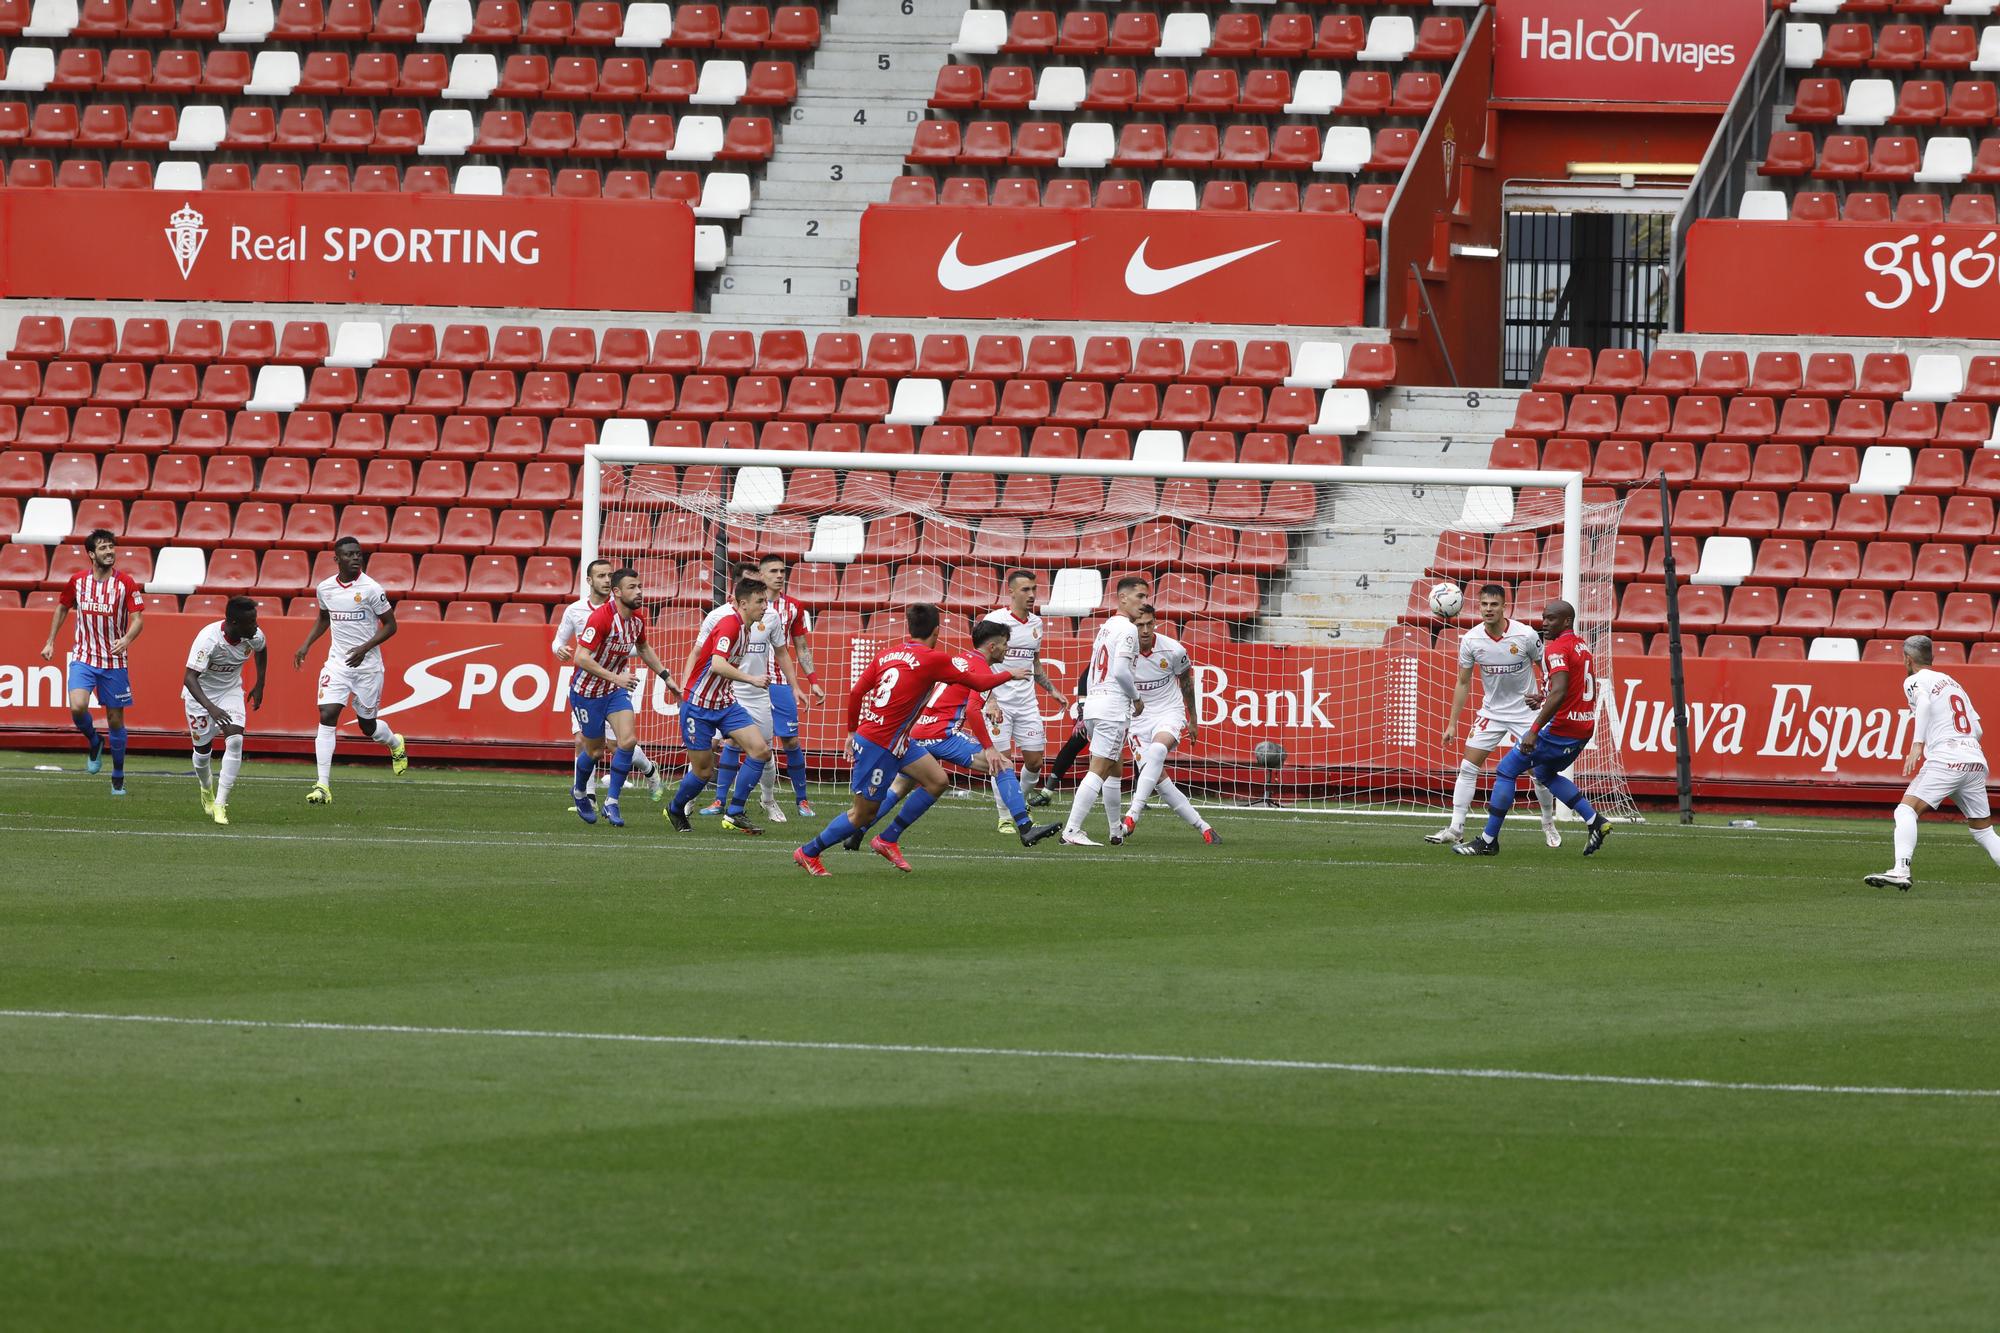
(722, 667)
(589, 665)
(788, 662)
(1920, 728)
(320, 626)
(384, 632)
(1459, 695)
(256, 692)
(858, 691)
(191, 681)
(1042, 678)
(659, 668)
(811, 677)
(1186, 681)
(565, 636)
(975, 722)
(132, 629)
(981, 678)
(55, 623)
(1557, 690)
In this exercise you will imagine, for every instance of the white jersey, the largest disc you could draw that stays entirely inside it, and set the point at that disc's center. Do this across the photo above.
(1024, 644)
(1506, 669)
(354, 612)
(1158, 675)
(1946, 722)
(573, 617)
(1114, 652)
(765, 638)
(220, 661)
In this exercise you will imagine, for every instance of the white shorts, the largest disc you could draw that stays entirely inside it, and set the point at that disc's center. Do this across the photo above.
(1964, 785)
(759, 710)
(1490, 733)
(1021, 724)
(341, 684)
(1148, 725)
(1107, 736)
(201, 725)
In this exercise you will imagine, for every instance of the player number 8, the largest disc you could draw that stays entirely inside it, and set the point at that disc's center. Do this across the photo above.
(884, 688)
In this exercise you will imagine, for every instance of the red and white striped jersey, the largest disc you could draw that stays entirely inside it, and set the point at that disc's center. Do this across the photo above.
(612, 638)
(722, 635)
(103, 608)
(793, 618)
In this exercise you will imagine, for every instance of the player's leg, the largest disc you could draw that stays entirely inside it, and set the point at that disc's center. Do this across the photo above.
(742, 728)
(82, 681)
(332, 697)
(1006, 785)
(367, 686)
(201, 733)
(1058, 769)
(622, 728)
(1971, 802)
(1003, 741)
(697, 736)
(901, 787)
(785, 724)
(1153, 745)
(1463, 789)
(922, 768)
(1106, 740)
(725, 777)
(1913, 805)
(1551, 762)
(114, 691)
(1498, 804)
(874, 770)
(1178, 802)
(590, 717)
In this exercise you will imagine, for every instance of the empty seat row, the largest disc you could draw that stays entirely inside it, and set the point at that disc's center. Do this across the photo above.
(496, 483)
(1726, 466)
(1971, 103)
(1755, 609)
(50, 430)
(1753, 418)
(1369, 202)
(1808, 514)
(1090, 145)
(639, 26)
(1265, 92)
(1190, 35)
(467, 77)
(1913, 209)
(1776, 374)
(1895, 46)
(1896, 158)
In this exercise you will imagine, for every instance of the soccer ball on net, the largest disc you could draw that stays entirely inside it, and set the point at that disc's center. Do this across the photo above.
(1446, 599)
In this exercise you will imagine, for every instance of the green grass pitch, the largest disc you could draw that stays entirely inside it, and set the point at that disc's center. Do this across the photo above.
(420, 1097)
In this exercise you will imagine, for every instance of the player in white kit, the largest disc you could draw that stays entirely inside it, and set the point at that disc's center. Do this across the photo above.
(1946, 757)
(1110, 702)
(212, 692)
(355, 613)
(1505, 653)
(1165, 677)
(597, 591)
(1013, 711)
(765, 641)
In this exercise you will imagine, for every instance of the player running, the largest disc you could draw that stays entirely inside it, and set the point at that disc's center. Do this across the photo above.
(710, 710)
(952, 728)
(597, 591)
(770, 649)
(1014, 710)
(1504, 652)
(212, 693)
(1165, 677)
(355, 612)
(600, 692)
(882, 706)
(1554, 738)
(110, 613)
(1110, 702)
(1946, 757)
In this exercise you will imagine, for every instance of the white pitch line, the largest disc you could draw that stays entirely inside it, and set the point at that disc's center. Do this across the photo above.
(1007, 1053)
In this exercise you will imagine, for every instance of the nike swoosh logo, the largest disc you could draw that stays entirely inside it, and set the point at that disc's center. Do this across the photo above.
(1145, 280)
(423, 686)
(956, 276)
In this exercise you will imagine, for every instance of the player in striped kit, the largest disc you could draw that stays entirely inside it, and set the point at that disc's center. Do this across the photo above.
(355, 614)
(710, 710)
(212, 693)
(1505, 653)
(600, 692)
(797, 623)
(1946, 759)
(110, 613)
(1165, 677)
(769, 652)
(597, 591)
(952, 729)
(1015, 711)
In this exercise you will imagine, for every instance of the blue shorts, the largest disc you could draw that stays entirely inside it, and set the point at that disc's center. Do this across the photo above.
(111, 685)
(592, 714)
(1551, 755)
(700, 726)
(784, 712)
(875, 768)
(955, 748)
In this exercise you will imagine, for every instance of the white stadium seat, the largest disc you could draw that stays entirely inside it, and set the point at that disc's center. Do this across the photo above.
(1183, 36)
(279, 389)
(1074, 592)
(1725, 562)
(201, 128)
(711, 248)
(473, 76)
(722, 83)
(275, 74)
(29, 69)
(1937, 377)
(1316, 93)
(1088, 145)
(837, 539)
(357, 344)
(177, 176)
(647, 25)
(178, 571)
(1390, 37)
(1346, 149)
(446, 22)
(248, 21)
(45, 521)
(1947, 160)
(919, 401)
(1159, 446)
(1885, 470)
(1833, 650)
(1803, 44)
(1989, 48)
(1972, 8)
(696, 139)
(1486, 508)
(758, 490)
(621, 431)
(1061, 88)
(724, 194)
(1170, 195)
(982, 32)
(1869, 102)
(1763, 206)
(51, 18)
(478, 178)
(1343, 412)
(448, 132)
(1317, 365)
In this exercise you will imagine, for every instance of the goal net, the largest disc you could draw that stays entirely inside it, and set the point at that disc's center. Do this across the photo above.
(1323, 677)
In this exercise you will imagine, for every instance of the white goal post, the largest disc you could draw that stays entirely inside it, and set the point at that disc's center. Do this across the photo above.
(1300, 592)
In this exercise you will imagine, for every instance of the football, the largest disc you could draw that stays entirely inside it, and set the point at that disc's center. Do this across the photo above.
(1446, 599)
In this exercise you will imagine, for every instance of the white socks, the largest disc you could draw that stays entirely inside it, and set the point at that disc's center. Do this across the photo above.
(1906, 836)
(323, 752)
(232, 763)
(201, 773)
(1988, 839)
(1178, 802)
(1543, 802)
(1114, 813)
(385, 735)
(1084, 802)
(640, 764)
(998, 803)
(1152, 768)
(1462, 792)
